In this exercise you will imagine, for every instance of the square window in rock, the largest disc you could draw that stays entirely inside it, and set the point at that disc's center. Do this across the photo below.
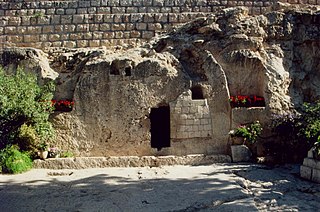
(197, 92)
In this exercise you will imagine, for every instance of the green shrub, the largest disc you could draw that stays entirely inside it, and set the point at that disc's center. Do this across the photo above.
(67, 154)
(24, 110)
(13, 161)
(249, 132)
(297, 133)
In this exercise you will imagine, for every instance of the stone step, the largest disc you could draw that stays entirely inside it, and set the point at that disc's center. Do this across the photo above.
(128, 161)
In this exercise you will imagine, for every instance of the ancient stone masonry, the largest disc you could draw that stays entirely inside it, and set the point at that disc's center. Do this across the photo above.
(95, 23)
(190, 118)
(311, 168)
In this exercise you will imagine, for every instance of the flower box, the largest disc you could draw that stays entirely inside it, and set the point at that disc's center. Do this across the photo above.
(247, 101)
(62, 105)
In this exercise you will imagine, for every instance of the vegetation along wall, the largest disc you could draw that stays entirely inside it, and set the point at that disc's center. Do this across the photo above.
(69, 23)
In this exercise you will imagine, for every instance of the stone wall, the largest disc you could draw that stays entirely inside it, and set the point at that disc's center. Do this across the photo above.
(311, 168)
(95, 23)
(190, 118)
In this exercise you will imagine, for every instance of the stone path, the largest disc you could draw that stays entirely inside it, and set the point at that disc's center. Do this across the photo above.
(218, 187)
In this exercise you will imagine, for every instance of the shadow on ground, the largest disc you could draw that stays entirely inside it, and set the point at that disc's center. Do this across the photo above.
(203, 188)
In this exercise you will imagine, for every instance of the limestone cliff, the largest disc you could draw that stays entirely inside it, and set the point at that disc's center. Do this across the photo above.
(175, 90)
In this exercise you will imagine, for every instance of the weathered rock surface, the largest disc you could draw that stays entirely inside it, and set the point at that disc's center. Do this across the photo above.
(275, 55)
(129, 161)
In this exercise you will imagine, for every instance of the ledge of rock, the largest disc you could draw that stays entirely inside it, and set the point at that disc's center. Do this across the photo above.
(128, 161)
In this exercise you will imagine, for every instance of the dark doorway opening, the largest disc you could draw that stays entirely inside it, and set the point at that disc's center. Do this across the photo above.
(197, 92)
(127, 71)
(160, 127)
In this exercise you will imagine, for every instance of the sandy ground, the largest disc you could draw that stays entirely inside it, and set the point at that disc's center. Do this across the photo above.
(217, 187)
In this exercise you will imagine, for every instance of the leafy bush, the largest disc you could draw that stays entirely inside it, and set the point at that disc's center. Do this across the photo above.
(67, 154)
(13, 161)
(249, 132)
(24, 110)
(297, 132)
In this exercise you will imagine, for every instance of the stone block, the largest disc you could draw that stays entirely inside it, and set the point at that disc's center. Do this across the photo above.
(141, 26)
(21, 30)
(47, 29)
(69, 44)
(55, 19)
(317, 164)
(87, 35)
(60, 11)
(71, 11)
(315, 175)
(240, 153)
(105, 27)
(103, 10)
(193, 110)
(115, 10)
(82, 11)
(108, 35)
(113, 3)
(119, 35)
(190, 122)
(43, 37)
(108, 18)
(31, 38)
(135, 34)
(34, 30)
(66, 19)
(82, 43)
(76, 36)
(54, 37)
(117, 27)
(10, 30)
(14, 21)
(94, 43)
(195, 128)
(148, 18)
(14, 38)
(97, 35)
(92, 10)
(69, 28)
(118, 18)
(305, 172)
(310, 153)
(310, 162)
(162, 18)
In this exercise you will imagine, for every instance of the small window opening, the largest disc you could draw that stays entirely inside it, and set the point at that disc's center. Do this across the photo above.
(127, 71)
(197, 92)
(114, 69)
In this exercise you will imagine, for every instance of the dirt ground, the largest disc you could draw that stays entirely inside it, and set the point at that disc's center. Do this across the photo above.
(217, 187)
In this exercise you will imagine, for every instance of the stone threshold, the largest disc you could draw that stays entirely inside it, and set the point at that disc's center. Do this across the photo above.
(129, 161)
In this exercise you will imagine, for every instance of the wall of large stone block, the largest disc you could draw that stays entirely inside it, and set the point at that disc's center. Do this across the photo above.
(95, 23)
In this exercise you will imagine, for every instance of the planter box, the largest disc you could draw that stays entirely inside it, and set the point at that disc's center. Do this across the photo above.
(240, 153)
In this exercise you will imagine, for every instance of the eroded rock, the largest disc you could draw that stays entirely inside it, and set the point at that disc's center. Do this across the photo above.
(275, 56)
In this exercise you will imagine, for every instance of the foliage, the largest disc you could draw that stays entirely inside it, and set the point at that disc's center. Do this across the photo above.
(24, 110)
(299, 132)
(249, 132)
(13, 161)
(67, 154)
(43, 146)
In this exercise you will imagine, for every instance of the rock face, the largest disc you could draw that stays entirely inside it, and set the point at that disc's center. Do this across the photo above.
(171, 96)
